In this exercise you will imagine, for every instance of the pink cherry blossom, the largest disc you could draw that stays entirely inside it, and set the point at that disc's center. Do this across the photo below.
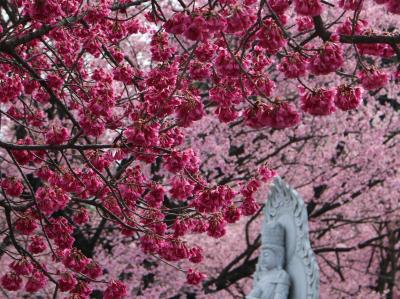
(12, 186)
(293, 65)
(93, 270)
(51, 200)
(115, 290)
(66, 282)
(351, 4)
(196, 255)
(194, 277)
(266, 173)
(57, 135)
(271, 37)
(74, 259)
(11, 281)
(36, 282)
(22, 266)
(348, 98)
(249, 206)
(189, 111)
(37, 245)
(180, 228)
(372, 79)
(186, 160)
(216, 226)
(232, 214)
(81, 217)
(310, 8)
(279, 6)
(177, 24)
(26, 224)
(304, 24)
(278, 116)
(393, 6)
(328, 59)
(319, 102)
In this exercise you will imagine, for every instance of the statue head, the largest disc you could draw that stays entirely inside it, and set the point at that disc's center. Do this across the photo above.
(273, 246)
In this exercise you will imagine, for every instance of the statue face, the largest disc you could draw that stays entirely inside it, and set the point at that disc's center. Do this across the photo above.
(270, 260)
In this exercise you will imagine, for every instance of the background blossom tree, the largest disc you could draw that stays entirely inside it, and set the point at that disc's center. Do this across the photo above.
(101, 107)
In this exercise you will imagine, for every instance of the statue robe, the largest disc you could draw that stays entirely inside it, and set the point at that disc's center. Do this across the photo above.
(273, 284)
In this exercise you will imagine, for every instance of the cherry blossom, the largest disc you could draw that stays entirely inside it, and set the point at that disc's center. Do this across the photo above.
(116, 289)
(348, 98)
(194, 277)
(319, 102)
(372, 79)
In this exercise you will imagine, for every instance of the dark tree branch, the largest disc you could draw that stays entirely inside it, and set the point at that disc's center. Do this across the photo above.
(119, 6)
(325, 35)
(55, 147)
(9, 45)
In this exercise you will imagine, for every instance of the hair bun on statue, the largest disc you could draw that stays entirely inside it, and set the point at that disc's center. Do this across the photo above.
(273, 235)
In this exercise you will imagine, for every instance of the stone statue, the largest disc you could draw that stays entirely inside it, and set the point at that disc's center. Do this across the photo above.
(272, 281)
(287, 267)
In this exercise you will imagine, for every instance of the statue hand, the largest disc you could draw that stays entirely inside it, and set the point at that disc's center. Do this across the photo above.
(282, 291)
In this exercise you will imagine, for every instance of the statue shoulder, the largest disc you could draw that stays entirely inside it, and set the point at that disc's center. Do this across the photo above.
(283, 277)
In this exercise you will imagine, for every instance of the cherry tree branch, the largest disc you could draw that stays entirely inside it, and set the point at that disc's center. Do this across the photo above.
(325, 35)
